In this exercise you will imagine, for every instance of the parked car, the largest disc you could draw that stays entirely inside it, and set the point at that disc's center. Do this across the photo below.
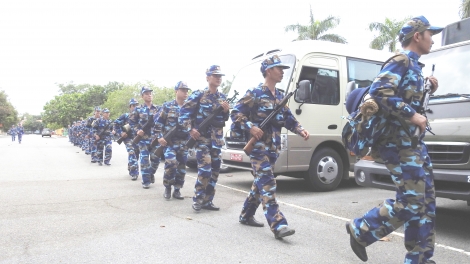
(46, 133)
(37, 132)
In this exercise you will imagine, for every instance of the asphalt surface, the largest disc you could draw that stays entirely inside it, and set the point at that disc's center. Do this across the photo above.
(57, 207)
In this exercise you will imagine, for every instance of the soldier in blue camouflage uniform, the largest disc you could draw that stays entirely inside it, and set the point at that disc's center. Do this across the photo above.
(103, 126)
(89, 131)
(137, 119)
(197, 107)
(92, 144)
(175, 150)
(247, 115)
(13, 133)
(410, 168)
(132, 150)
(20, 132)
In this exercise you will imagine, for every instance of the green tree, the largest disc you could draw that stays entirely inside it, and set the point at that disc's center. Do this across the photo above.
(32, 122)
(64, 109)
(317, 29)
(388, 33)
(118, 101)
(226, 86)
(8, 113)
(464, 11)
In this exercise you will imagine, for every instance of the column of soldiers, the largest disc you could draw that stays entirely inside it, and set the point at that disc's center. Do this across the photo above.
(151, 133)
(16, 131)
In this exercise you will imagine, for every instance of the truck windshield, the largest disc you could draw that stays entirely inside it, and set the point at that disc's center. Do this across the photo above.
(451, 67)
(250, 76)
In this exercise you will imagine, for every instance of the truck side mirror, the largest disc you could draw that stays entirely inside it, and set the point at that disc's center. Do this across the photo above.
(349, 88)
(303, 94)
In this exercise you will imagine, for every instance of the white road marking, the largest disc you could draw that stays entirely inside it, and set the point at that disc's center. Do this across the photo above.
(340, 218)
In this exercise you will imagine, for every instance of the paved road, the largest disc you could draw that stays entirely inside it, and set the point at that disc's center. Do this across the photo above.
(57, 207)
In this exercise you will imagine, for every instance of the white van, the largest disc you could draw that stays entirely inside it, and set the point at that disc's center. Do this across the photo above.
(327, 68)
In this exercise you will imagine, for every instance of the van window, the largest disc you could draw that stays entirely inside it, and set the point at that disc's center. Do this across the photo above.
(362, 72)
(251, 76)
(324, 85)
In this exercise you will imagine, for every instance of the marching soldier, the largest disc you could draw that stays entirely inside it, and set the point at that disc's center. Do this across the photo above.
(175, 151)
(13, 132)
(247, 115)
(20, 132)
(132, 150)
(91, 145)
(103, 128)
(198, 107)
(141, 121)
(410, 167)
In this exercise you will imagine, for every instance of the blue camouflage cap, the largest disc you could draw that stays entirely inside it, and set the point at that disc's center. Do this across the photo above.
(145, 89)
(214, 70)
(105, 110)
(417, 24)
(133, 102)
(181, 85)
(97, 108)
(271, 62)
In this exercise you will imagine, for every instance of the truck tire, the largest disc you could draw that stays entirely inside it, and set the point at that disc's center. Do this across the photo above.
(325, 171)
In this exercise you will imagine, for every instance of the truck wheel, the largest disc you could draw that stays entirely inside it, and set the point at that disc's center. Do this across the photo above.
(325, 171)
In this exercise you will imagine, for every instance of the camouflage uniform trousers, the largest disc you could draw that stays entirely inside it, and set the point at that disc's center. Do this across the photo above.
(132, 156)
(13, 137)
(208, 167)
(84, 143)
(93, 149)
(20, 137)
(263, 191)
(107, 145)
(148, 160)
(176, 156)
(88, 146)
(414, 207)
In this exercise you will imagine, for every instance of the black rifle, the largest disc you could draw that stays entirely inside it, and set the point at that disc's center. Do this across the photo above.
(424, 108)
(126, 129)
(266, 122)
(168, 136)
(207, 122)
(146, 128)
(102, 133)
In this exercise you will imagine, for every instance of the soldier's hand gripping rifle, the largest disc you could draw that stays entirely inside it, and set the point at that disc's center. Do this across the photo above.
(422, 110)
(126, 129)
(147, 126)
(102, 133)
(207, 122)
(266, 122)
(167, 137)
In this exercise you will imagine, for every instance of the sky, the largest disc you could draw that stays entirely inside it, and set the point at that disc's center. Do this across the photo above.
(45, 43)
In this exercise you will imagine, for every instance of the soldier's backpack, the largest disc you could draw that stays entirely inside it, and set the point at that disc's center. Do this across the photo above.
(366, 121)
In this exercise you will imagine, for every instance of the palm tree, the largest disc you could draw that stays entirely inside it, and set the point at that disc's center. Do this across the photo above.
(465, 9)
(316, 29)
(388, 33)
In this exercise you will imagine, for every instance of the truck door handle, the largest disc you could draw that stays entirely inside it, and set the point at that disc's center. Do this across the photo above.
(332, 127)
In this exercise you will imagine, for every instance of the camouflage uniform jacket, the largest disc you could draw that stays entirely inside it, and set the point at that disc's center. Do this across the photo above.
(19, 130)
(403, 100)
(253, 108)
(13, 131)
(167, 119)
(89, 122)
(139, 117)
(104, 126)
(198, 107)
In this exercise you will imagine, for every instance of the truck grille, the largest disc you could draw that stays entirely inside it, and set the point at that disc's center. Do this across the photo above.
(448, 152)
(234, 144)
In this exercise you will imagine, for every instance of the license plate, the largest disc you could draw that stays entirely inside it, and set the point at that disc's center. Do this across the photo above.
(236, 157)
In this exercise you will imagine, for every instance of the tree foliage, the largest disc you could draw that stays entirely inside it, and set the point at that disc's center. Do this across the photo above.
(388, 33)
(8, 113)
(226, 86)
(317, 29)
(464, 11)
(32, 122)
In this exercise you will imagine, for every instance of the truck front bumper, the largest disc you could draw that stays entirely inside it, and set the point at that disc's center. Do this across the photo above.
(452, 184)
